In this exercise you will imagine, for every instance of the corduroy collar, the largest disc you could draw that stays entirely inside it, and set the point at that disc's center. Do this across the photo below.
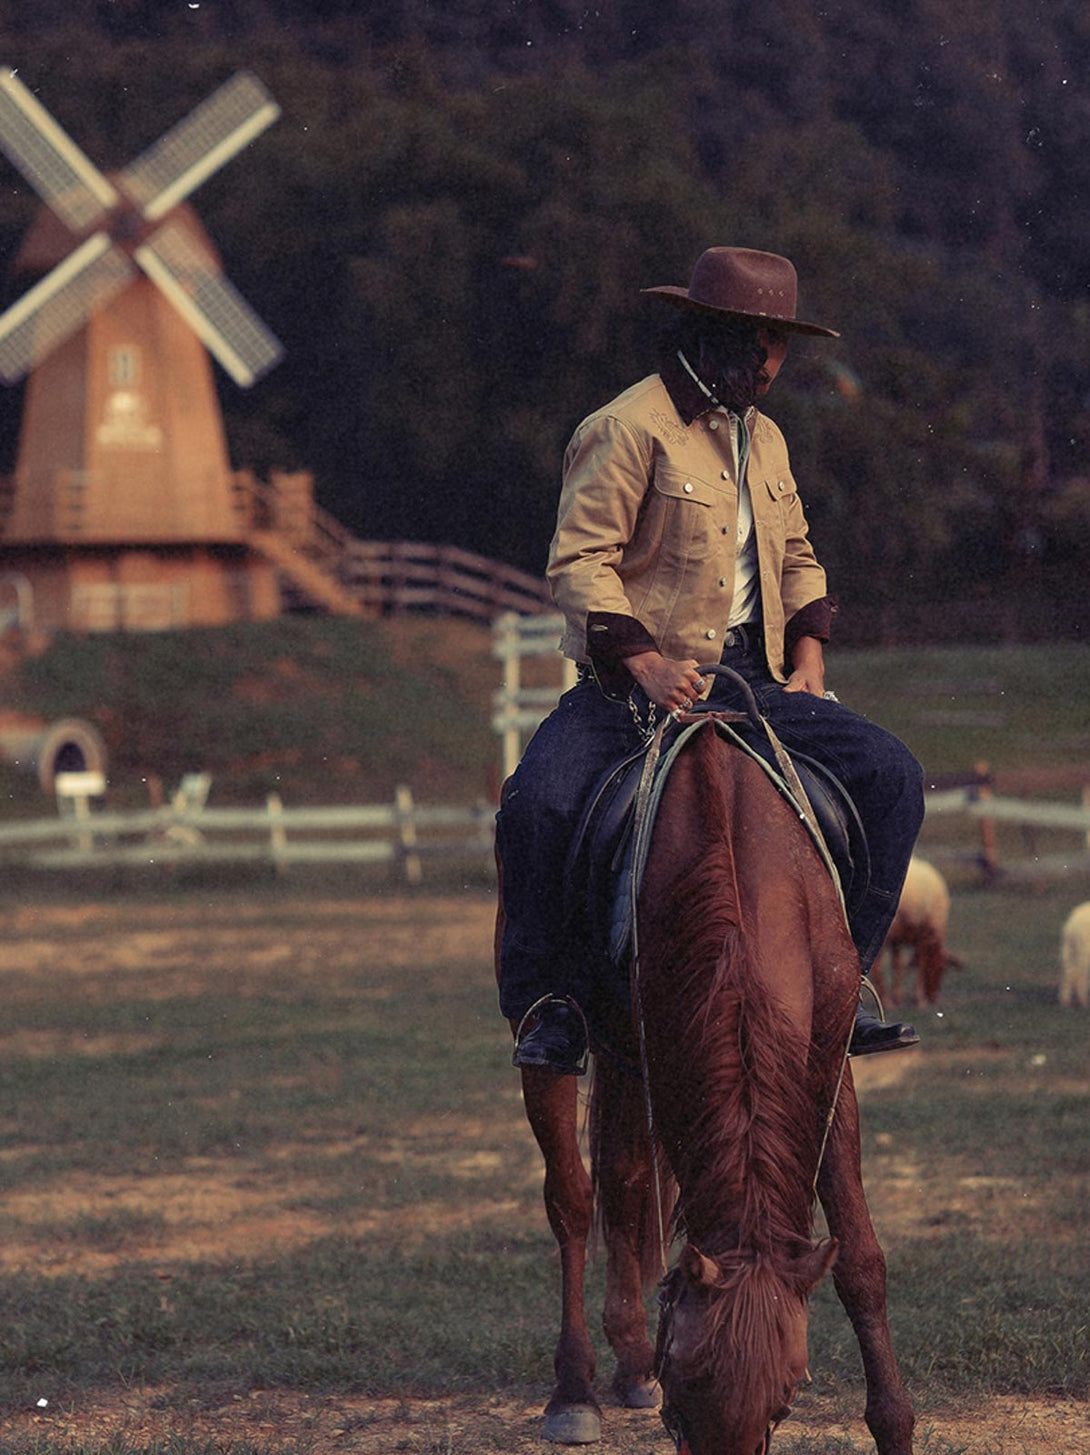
(687, 396)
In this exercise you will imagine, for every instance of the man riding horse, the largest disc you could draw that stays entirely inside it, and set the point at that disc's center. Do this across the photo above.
(681, 540)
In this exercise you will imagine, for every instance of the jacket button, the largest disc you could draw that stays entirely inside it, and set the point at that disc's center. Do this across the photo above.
(713, 424)
(779, 484)
(724, 475)
(726, 530)
(710, 634)
(688, 487)
(723, 581)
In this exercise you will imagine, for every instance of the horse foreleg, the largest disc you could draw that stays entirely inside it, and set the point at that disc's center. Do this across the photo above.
(552, 1107)
(860, 1277)
(628, 1196)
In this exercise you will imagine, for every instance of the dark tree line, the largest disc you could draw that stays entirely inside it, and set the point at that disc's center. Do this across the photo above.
(451, 222)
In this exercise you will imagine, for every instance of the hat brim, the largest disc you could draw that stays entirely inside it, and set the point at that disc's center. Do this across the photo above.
(679, 298)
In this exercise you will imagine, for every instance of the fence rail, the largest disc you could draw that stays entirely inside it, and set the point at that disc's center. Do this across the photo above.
(394, 576)
(402, 834)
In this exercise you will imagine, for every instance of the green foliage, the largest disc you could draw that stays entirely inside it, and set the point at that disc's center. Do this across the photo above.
(451, 223)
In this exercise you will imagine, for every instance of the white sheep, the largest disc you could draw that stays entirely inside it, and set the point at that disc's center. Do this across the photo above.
(920, 924)
(1075, 957)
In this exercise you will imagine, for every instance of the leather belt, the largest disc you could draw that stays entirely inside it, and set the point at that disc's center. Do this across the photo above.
(747, 637)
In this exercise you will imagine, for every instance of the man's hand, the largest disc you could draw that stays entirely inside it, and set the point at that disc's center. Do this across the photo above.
(807, 667)
(668, 683)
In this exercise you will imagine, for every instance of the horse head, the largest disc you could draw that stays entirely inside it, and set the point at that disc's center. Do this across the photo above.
(732, 1346)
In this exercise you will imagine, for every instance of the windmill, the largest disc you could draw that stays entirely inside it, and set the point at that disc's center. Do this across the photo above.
(122, 508)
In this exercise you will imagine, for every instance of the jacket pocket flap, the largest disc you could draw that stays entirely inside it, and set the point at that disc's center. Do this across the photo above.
(677, 485)
(781, 486)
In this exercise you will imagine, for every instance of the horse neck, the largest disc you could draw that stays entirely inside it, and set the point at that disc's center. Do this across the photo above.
(729, 1065)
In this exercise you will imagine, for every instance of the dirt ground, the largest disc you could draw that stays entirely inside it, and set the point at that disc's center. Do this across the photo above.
(203, 1215)
(277, 1420)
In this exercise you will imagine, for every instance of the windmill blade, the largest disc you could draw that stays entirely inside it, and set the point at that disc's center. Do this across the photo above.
(219, 315)
(59, 304)
(199, 145)
(49, 159)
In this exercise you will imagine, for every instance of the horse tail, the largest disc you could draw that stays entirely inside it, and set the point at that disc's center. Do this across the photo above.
(634, 1190)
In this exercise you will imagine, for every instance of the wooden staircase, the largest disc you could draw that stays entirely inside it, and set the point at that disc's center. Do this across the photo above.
(307, 579)
(322, 566)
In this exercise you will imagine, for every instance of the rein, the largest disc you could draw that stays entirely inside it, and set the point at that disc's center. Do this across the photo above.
(643, 819)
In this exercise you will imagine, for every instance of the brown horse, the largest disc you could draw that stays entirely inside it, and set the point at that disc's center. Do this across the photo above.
(746, 984)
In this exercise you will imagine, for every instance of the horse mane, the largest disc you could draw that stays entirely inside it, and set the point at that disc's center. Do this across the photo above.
(745, 1328)
(732, 1080)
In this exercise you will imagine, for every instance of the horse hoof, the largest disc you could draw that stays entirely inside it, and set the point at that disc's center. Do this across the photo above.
(639, 1393)
(573, 1424)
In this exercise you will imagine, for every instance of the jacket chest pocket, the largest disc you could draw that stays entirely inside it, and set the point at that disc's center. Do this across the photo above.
(781, 488)
(686, 513)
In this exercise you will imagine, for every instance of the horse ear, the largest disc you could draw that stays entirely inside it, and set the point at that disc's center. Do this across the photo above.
(697, 1268)
(809, 1269)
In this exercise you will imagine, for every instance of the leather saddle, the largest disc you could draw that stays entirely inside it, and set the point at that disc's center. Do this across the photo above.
(600, 861)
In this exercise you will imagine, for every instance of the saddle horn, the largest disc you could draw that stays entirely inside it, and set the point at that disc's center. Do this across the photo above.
(716, 669)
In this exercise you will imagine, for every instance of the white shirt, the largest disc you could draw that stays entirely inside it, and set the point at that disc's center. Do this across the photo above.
(746, 606)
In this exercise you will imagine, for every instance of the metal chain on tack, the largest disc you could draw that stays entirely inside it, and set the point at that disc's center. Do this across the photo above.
(645, 730)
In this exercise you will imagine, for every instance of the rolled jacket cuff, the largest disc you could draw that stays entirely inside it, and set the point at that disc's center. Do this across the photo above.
(611, 638)
(815, 619)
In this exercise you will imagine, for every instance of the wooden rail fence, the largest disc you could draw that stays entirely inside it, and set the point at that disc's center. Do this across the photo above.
(388, 577)
(402, 834)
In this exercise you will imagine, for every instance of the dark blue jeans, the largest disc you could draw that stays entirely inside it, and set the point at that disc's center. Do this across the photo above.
(543, 952)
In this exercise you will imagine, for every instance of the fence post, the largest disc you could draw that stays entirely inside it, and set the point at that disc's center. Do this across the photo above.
(74, 793)
(403, 802)
(509, 644)
(989, 857)
(278, 838)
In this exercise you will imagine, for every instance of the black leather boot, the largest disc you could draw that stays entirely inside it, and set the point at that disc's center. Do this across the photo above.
(553, 1034)
(871, 1035)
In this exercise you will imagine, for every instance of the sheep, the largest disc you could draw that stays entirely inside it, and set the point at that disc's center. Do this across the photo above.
(920, 924)
(1075, 957)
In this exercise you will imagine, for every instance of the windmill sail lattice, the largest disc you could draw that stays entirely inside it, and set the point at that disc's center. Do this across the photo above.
(147, 192)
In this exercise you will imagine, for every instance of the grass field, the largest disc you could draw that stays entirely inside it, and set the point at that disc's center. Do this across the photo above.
(265, 1181)
(267, 1187)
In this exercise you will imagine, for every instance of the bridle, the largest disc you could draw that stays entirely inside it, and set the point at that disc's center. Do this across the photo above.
(670, 1415)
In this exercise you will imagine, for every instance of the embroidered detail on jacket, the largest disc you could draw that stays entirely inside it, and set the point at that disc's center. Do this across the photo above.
(673, 432)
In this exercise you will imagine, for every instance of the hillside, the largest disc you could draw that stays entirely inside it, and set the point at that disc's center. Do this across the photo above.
(317, 709)
(324, 711)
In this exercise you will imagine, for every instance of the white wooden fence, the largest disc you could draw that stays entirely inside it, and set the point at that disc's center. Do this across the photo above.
(401, 834)
(404, 834)
(518, 708)
(988, 809)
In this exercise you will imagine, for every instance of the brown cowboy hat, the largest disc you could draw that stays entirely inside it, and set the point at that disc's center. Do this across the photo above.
(745, 284)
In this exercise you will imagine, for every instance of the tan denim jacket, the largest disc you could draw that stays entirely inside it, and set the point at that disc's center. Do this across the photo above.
(646, 527)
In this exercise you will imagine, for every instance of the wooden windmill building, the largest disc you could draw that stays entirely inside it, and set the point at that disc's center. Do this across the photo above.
(124, 509)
